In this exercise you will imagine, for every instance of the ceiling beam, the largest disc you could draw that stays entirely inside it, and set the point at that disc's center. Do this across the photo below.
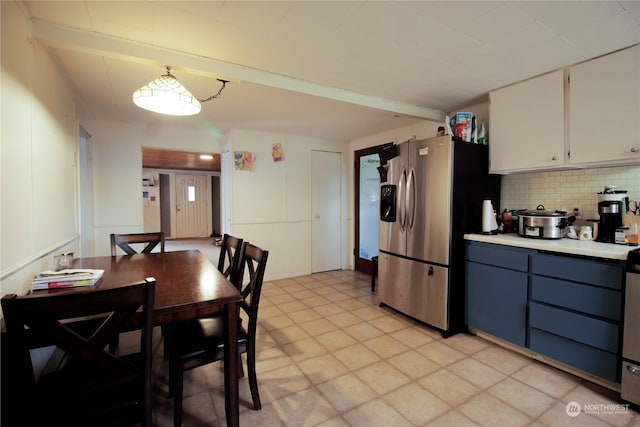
(101, 44)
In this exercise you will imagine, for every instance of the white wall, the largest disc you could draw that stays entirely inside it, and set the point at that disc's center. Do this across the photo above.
(117, 168)
(39, 197)
(271, 205)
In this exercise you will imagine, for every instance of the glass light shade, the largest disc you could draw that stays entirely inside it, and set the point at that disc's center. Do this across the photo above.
(165, 95)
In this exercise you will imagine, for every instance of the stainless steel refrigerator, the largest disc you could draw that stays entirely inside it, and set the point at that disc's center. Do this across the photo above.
(430, 197)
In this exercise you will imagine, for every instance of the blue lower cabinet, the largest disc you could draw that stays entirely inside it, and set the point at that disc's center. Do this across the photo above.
(575, 326)
(588, 271)
(593, 360)
(565, 308)
(497, 301)
(593, 300)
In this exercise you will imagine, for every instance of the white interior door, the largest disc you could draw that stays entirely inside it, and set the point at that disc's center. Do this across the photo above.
(192, 205)
(325, 208)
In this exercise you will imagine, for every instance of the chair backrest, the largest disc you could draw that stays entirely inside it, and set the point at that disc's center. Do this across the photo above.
(254, 261)
(124, 242)
(229, 259)
(81, 324)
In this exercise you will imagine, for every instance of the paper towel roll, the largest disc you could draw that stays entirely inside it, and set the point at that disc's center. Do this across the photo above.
(494, 222)
(489, 223)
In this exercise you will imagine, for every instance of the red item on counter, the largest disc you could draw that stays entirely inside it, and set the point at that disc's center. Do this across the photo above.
(507, 222)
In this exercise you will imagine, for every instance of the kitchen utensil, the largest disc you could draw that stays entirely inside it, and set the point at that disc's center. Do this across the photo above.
(543, 224)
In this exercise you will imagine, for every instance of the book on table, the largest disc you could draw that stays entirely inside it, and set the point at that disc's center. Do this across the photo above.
(68, 278)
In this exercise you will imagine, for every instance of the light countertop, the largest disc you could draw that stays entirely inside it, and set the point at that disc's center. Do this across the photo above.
(564, 245)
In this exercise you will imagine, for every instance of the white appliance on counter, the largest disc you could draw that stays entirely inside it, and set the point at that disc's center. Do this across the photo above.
(630, 382)
(433, 195)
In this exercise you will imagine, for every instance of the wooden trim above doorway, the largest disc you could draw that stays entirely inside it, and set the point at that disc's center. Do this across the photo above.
(184, 160)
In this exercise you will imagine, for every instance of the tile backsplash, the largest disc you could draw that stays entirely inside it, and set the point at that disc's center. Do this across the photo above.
(567, 189)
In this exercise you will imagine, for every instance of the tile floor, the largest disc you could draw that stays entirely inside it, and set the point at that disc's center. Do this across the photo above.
(330, 356)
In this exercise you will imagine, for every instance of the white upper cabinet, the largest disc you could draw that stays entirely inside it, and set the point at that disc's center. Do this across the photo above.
(604, 110)
(590, 119)
(527, 125)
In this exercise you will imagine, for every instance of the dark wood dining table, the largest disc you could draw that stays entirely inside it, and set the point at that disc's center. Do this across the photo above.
(188, 286)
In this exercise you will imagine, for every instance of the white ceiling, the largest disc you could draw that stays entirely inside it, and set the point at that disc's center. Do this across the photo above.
(332, 69)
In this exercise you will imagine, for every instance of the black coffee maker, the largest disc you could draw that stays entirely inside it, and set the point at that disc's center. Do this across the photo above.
(612, 205)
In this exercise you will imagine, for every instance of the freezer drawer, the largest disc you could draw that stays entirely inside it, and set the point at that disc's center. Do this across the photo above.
(631, 340)
(417, 289)
(630, 388)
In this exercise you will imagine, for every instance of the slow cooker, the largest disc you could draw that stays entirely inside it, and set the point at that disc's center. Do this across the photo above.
(543, 224)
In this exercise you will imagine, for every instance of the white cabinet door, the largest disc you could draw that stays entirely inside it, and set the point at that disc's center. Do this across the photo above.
(604, 109)
(325, 204)
(527, 125)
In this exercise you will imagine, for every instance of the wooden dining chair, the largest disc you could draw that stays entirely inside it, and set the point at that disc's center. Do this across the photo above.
(228, 264)
(86, 385)
(124, 242)
(229, 260)
(201, 341)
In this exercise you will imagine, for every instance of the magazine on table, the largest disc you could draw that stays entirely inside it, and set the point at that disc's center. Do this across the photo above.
(67, 278)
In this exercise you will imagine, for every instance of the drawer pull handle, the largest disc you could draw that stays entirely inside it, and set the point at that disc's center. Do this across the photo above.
(633, 369)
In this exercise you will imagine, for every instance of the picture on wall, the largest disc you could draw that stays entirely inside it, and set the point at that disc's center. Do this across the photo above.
(244, 160)
(277, 153)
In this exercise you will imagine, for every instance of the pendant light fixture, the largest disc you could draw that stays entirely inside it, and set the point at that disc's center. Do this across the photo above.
(166, 95)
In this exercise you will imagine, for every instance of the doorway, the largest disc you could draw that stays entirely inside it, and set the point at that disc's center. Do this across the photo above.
(325, 208)
(216, 206)
(193, 211)
(367, 205)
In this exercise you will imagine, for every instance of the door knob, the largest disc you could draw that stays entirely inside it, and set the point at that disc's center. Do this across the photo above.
(317, 217)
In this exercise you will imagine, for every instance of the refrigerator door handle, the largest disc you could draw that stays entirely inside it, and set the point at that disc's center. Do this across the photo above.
(633, 369)
(402, 198)
(411, 198)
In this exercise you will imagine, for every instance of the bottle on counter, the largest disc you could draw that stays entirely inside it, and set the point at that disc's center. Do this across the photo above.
(507, 221)
(622, 235)
(481, 134)
(586, 233)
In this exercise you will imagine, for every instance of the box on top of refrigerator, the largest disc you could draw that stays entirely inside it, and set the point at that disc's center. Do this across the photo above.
(463, 125)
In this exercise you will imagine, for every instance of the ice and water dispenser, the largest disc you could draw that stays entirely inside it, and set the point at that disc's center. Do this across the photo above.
(388, 203)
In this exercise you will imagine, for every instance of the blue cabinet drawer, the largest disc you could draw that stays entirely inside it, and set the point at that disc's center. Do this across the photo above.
(498, 255)
(601, 302)
(496, 301)
(586, 358)
(577, 327)
(590, 271)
